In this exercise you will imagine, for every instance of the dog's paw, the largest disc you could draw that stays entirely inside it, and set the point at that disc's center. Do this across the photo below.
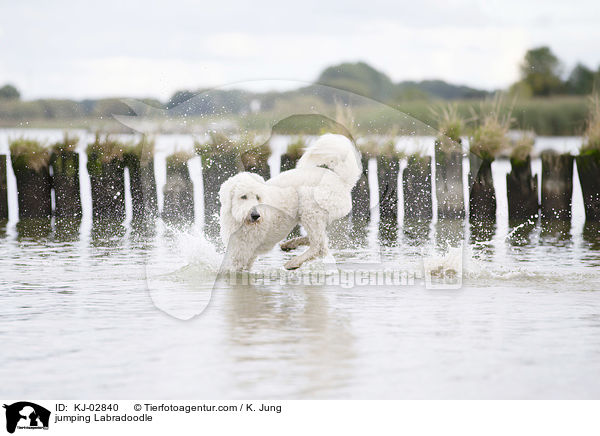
(292, 264)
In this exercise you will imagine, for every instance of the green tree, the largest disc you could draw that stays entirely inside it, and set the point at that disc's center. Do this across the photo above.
(359, 78)
(9, 92)
(541, 71)
(581, 80)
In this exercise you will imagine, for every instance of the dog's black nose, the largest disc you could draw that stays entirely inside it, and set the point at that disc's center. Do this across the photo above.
(254, 215)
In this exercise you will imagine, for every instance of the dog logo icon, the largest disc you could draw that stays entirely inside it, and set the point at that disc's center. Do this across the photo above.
(26, 415)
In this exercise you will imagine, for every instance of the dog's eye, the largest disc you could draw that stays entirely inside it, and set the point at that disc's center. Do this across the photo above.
(243, 197)
(258, 198)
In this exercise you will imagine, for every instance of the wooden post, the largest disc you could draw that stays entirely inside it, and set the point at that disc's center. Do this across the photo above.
(179, 190)
(287, 162)
(482, 195)
(521, 190)
(388, 232)
(139, 159)
(591, 234)
(416, 184)
(107, 178)
(388, 169)
(255, 159)
(557, 185)
(449, 232)
(449, 182)
(555, 231)
(34, 228)
(64, 161)
(3, 189)
(220, 161)
(30, 165)
(588, 167)
(416, 231)
(361, 195)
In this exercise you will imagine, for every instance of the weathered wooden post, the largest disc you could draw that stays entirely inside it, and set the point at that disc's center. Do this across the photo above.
(64, 161)
(288, 161)
(34, 228)
(30, 165)
(416, 183)
(555, 231)
(591, 234)
(449, 232)
(588, 167)
(3, 189)
(255, 158)
(482, 195)
(361, 194)
(449, 183)
(416, 231)
(449, 164)
(521, 185)
(557, 185)
(139, 159)
(179, 189)
(107, 179)
(220, 160)
(388, 170)
(290, 158)
(588, 164)
(487, 140)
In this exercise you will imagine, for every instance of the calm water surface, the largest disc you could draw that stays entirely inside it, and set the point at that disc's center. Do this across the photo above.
(98, 312)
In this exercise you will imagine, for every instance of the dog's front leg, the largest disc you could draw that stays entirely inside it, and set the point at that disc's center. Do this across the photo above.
(240, 254)
(317, 239)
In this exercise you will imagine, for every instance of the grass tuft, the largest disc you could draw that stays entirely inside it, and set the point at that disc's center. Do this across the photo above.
(67, 144)
(449, 122)
(591, 145)
(179, 158)
(295, 150)
(29, 153)
(105, 149)
(520, 148)
(490, 136)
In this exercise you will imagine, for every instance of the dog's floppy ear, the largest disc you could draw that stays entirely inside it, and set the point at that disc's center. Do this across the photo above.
(226, 194)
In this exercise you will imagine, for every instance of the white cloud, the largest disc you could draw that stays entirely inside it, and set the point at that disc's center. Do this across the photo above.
(66, 49)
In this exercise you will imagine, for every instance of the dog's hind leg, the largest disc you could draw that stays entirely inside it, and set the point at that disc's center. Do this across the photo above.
(293, 243)
(316, 227)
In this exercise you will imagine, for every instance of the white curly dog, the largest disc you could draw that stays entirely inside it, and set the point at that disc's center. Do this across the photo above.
(255, 215)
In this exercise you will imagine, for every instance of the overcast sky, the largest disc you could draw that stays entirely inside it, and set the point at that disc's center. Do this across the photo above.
(138, 48)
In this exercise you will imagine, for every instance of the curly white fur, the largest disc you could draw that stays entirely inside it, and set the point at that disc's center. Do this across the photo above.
(256, 215)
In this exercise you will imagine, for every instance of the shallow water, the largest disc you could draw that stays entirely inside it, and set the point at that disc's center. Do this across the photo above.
(98, 312)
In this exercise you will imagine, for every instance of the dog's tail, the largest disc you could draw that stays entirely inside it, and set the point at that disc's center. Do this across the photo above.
(337, 153)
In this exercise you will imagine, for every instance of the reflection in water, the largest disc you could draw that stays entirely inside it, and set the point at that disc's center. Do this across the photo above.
(555, 232)
(388, 232)
(449, 232)
(416, 231)
(287, 337)
(520, 232)
(34, 228)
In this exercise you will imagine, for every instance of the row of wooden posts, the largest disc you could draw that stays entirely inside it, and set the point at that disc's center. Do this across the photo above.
(108, 186)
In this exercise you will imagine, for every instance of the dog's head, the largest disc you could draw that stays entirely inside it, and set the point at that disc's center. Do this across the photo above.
(241, 196)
